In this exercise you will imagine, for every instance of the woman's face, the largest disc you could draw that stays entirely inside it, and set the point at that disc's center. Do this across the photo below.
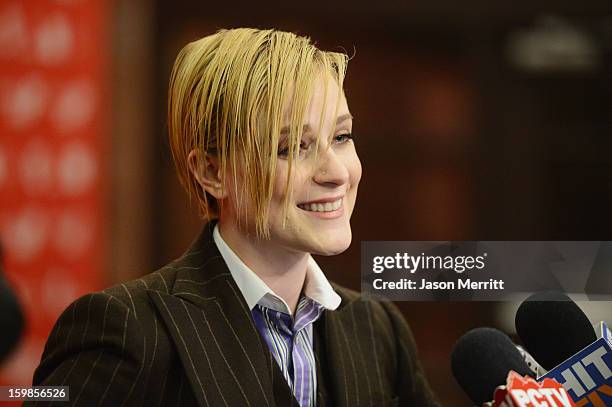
(324, 184)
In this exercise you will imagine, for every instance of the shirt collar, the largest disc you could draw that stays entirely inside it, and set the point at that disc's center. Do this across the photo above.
(255, 291)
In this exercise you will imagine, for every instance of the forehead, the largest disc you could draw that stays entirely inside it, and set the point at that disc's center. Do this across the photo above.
(324, 98)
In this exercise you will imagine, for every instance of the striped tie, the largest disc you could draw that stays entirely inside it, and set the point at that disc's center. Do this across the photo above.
(290, 342)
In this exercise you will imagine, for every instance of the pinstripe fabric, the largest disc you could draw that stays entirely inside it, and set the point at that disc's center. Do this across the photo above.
(291, 343)
(184, 336)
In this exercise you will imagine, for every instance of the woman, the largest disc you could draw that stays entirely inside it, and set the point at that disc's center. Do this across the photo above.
(260, 132)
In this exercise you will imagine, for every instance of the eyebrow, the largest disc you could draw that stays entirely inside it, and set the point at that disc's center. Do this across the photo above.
(307, 127)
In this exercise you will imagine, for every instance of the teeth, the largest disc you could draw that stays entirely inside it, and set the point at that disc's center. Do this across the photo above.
(322, 207)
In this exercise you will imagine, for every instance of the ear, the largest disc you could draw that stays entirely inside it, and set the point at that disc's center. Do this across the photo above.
(206, 171)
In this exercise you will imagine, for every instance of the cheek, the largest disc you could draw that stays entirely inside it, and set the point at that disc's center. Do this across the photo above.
(280, 180)
(298, 180)
(354, 168)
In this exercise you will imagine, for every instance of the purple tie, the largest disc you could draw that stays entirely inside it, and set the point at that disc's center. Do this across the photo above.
(290, 342)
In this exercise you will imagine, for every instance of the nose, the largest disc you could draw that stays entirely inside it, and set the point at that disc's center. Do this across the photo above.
(330, 170)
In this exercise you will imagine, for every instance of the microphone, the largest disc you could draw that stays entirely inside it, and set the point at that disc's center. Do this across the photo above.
(559, 335)
(481, 361)
(11, 319)
(553, 327)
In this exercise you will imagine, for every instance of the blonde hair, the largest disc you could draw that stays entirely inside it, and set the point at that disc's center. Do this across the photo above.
(226, 99)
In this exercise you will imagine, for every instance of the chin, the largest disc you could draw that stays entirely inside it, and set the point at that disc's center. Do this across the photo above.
(333, 245)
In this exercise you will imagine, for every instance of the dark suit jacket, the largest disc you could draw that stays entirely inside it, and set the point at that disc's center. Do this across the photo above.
(183, 336)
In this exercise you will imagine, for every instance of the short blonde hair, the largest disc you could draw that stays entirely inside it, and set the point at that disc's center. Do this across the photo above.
(226, 98)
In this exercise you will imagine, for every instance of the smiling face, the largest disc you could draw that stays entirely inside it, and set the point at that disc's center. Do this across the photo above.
(323, 182)
(324, 179)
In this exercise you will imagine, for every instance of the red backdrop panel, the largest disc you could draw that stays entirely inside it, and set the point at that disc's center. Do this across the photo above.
(53, 123)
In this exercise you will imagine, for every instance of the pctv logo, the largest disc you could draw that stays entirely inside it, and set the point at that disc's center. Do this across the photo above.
(526, 392)
(587, 375)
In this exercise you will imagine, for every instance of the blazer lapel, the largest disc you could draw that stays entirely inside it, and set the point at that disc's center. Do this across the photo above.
(225, 359)
(350, 355)
(319, 346)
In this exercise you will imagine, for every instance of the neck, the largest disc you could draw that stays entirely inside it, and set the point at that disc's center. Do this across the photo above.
(284, 271)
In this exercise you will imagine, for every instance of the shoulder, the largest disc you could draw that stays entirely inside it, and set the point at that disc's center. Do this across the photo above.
(124, 306)
(134, 294)
(119, 314)
(118, 321)
(377, 319)
(381, 319)
(381, 311)
(392, 342)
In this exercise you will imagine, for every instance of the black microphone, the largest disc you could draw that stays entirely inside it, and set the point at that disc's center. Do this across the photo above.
(553, 328)
(481, 361)
(11, 318)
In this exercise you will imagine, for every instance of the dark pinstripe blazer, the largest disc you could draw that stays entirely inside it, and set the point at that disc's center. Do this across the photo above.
(183, 336)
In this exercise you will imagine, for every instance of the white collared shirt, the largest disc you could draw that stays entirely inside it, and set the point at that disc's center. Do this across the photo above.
(256, 291)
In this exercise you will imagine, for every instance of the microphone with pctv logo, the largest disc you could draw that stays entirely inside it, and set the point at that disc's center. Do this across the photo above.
(493, 373)
(561, 338)
(481, 361)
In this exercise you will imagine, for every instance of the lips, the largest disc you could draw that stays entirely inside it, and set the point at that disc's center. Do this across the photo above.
(329, 206)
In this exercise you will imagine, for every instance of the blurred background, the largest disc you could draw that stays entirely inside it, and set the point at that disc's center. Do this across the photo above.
(480, 121)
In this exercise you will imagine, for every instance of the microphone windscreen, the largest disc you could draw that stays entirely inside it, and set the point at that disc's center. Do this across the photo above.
(553, 328)
(11, 320)
(481, 361)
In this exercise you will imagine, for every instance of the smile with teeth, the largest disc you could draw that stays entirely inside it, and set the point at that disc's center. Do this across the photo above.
(321, 207)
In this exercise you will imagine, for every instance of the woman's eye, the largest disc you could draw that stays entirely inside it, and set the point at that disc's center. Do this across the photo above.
(343, 138)
(284, 152)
